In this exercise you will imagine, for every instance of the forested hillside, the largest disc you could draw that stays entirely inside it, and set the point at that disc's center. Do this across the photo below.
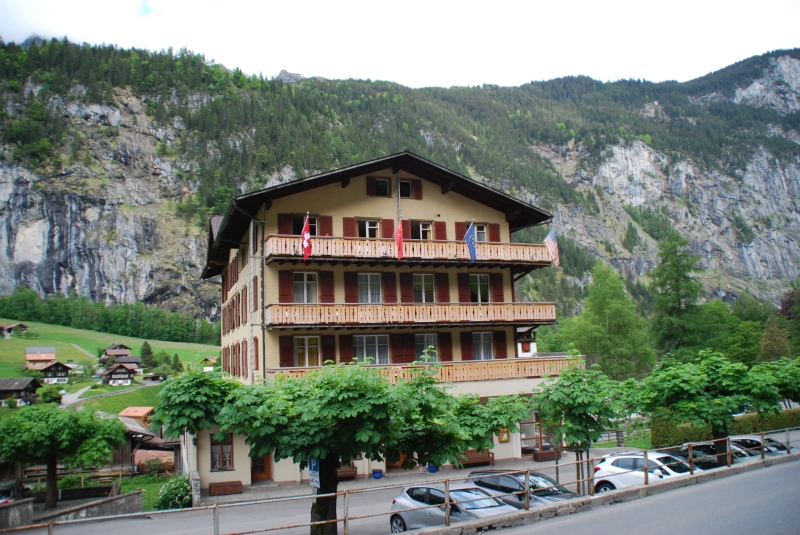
(128, 152)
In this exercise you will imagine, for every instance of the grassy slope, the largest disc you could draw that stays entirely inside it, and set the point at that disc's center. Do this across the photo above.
(144, 397)
(12, 352)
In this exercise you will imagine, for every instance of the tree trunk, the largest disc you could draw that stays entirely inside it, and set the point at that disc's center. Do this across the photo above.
(51, 492)
(325, 508)
(720, 444)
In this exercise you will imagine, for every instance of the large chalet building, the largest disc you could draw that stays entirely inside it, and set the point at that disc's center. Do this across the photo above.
(357, 296)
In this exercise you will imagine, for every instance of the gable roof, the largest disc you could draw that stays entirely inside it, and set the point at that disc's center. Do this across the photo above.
(117, 346)
(137, 412)
(128, 359)
(118, 352)
(45, 365)
(43, 349)
(17, 384)
(131, 368)
(227, 232)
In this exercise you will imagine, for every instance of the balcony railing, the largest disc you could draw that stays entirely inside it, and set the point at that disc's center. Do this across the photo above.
(382, 249)
(463, 371)
(293, 315)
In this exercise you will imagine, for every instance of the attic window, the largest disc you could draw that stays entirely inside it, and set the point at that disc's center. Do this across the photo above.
(381, 188)
(405, 189)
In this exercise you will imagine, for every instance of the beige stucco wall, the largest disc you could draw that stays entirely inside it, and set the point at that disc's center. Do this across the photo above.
(241, 460)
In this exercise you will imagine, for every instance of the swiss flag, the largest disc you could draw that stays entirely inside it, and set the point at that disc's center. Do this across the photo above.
(306, 240)
(398, 239)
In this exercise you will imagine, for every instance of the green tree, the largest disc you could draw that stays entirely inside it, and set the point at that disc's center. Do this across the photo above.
(748, 308)
(743, 344)
(164, 370)
(176, 363)
(632, 238)
(45, 434)
(50, 394)
(146, 353)
(676, 292)
(775, 342)
(609, 331)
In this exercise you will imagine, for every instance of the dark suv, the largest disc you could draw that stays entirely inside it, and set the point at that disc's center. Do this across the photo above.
(544, 490)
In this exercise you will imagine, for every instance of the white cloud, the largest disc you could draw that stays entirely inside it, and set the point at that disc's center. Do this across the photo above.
(428, 43)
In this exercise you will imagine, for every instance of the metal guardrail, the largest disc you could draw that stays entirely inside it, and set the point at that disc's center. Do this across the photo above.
(583, 485)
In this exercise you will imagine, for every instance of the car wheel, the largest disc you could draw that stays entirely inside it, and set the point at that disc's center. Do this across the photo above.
(605, 486)
(398, 526)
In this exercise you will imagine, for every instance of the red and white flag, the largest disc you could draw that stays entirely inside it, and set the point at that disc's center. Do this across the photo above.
(306, 240)
(398, 239)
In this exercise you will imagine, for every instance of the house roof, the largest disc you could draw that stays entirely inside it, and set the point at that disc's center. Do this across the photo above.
(39, 357)
(135, 427)
(128, 359)
(212, 360)
(17, 384)
(118, 352)
(42, 349)
(45, 365)
(227, 233)
(110, 369)
(117, 346)
(137, 412)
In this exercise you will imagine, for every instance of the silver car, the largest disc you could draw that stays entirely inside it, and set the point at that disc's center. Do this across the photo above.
(753, 443)
(422, 506)
(510, 487)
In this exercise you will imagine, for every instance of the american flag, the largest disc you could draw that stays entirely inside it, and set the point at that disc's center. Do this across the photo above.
(552, 246)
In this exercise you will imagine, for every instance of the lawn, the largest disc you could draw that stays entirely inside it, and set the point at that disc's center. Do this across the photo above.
(642, 444)
(105, 390)
(148, 484)
(144, 397)
(12, 352)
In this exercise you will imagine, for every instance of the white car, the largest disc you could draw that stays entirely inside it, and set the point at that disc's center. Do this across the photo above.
(622, 470)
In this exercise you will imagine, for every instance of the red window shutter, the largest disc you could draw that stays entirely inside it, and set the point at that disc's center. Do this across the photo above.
(466, 346)
(445, 347)
(237, 310)
(496, 281)
(416, 188)
(442, 288)
(494, 232)
(350, 287)
(346, 353)
(255, 351)
(463, 287)
(389, 283)
(461, 230)
(406, 229)
(371, 186)
(285, 287)
(499, 344)
(286, 351)
(245, 296)
(325, 225)
(245, 359)
(326, 287)
(284, 223)
(255, 293)
(439, 230)
(406, 288)
(387, 228)
(235, 360)
(328, 342)
(409, 347)
(349, 227)
(398, 353)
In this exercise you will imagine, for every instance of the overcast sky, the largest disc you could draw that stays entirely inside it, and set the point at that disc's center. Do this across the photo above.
(431, 42)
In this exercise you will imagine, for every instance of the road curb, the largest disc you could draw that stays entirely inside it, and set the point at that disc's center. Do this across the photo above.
(588, 503)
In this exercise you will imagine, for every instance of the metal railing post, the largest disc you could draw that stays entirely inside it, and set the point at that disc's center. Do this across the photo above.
(216, 519)
(762, 445)
(788, 444)
(50, 528)
(730, 460)
(346, 511)
(558, 455)
(446, 502)
(527, 489)
(691, 461)
(646, 474)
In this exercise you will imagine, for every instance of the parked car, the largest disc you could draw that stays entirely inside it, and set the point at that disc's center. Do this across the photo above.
(699, 459)
(753, 443)
(544, 490)
(622, 470)
(738, 453)
(411, 509)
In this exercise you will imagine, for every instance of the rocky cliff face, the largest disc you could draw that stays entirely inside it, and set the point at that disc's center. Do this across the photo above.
(103, 227)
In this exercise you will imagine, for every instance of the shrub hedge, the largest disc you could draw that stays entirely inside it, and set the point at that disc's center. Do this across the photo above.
(664, 433)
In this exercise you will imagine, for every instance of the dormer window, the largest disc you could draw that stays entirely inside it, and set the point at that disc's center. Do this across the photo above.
(405, 189)
(378, 187)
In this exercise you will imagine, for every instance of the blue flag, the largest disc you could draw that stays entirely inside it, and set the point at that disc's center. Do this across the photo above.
(469, 237)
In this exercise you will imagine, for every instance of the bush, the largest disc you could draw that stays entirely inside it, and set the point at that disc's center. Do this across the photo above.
(50, 394)
(176, 493)
(11, 403)
(664, 433)
(70, 481)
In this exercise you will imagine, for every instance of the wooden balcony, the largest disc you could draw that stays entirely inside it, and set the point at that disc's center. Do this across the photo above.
(523, 256)
(462, 371)
(451, 314)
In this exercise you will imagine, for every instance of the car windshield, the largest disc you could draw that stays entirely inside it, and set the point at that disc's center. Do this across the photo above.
(474, 499)
(679, 466)
(774, 444)
(539, 484)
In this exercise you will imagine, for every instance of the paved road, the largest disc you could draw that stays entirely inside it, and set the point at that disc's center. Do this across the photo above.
(762, 501)
(76, 346)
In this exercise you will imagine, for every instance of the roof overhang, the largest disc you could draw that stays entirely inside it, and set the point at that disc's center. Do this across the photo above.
(227, 233)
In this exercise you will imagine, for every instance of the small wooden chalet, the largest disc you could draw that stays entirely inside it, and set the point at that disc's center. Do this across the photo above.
(54, 372)
(8, 330)
(39, 355)
(19, 387)
(119, 374)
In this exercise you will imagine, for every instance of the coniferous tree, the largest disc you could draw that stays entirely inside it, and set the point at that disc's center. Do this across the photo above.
(775, 343)
(146, 353)
(177, 365)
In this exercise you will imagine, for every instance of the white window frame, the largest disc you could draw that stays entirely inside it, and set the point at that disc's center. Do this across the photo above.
(308, 286)
(225, 448)
(482, 346)
(481, 298)
(312, 225)
(424, 278)
(361, 345)
(480, 232)
(419, 230)
(306, 344)
(371, 226)
(422, 341)
(371, 278)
